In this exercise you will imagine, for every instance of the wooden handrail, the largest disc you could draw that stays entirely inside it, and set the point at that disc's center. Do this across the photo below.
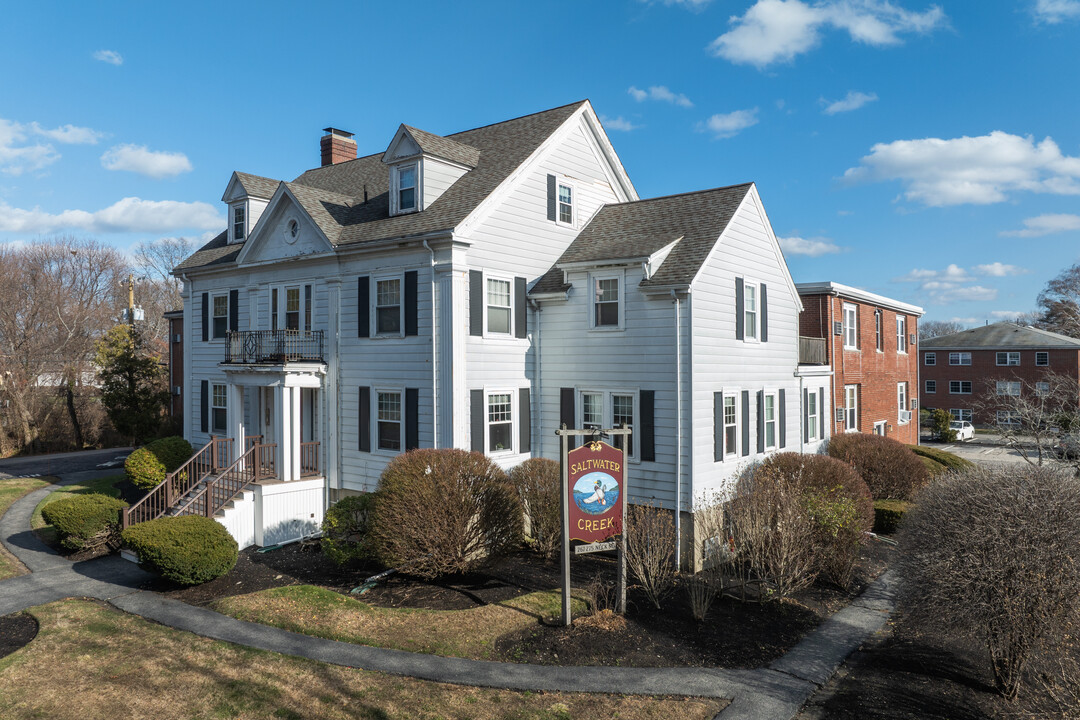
(218, 491)
(209, 460)
(309, 459)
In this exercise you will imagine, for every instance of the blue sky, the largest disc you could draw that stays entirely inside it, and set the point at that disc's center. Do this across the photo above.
(925, 151)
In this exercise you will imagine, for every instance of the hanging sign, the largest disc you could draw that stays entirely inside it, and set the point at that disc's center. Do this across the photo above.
(597, 492)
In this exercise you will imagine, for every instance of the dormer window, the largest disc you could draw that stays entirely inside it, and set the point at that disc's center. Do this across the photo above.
(238, 222)
(406, 189)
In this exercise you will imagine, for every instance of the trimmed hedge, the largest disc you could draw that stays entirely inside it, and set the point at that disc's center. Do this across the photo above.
(949, 460)
(888, 514)
(889, 468)
(345, 529)
(537, 482)
(147, 466)
(85, 520)
(188, 550)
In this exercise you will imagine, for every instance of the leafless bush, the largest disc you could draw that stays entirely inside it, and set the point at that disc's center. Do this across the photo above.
(889, 469)
(701, 590)
(995, 554)
(650, 550)
(1055, 686)
(445, 511)
(602, 594)
(537, 483)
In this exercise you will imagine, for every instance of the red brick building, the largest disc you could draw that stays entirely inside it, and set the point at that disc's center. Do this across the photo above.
(964, 370)
(870, 342)
(176, 363)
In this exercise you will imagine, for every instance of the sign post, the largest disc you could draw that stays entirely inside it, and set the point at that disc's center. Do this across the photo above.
(593, 502)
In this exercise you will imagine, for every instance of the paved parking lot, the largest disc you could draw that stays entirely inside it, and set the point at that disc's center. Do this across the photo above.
(983, 450)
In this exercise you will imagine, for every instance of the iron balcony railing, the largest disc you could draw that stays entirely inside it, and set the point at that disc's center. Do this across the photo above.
(812, 351)
(274, 347)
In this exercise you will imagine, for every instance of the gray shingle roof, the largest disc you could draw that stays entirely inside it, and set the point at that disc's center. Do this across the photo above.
(337, 191)
(640, 228)
(445, 148)
(257, 186)
(1002, 335)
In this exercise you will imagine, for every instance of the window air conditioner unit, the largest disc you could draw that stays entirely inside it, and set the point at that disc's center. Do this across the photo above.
(837, 327)
(177, 390)
(839, 414)
(911, 339)
(905, 416)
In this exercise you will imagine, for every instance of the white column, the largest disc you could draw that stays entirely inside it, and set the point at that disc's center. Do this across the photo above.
(282, 431)
(294, 423)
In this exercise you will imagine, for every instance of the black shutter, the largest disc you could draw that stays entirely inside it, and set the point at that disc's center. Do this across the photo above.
(764, 314)
(552, 192)
(234, 310)
(783, 419)
(520, 315)
(566, 412)
(476, 402)
(806, 415)
(364, 428)
(204, 399)
(363, 306)
(411, 311)
(718, 426)
(740, 315)
(821, 413)
(524, 422)
(412, 418)
(745, 422)
(761, 421)
(205, 317)
(647, 403)
(476, 303)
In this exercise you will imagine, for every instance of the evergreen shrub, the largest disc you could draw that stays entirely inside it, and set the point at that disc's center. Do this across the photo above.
(188, 550)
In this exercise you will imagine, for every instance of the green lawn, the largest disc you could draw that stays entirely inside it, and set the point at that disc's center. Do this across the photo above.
(11, 490)
(105, 486)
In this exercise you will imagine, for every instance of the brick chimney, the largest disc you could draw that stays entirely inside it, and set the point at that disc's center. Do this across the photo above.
(337, 146)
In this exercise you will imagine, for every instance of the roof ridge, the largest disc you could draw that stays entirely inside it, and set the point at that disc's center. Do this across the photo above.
(683, 194)
(520, 117)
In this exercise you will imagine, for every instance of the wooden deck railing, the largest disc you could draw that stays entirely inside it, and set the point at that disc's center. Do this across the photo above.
(812, 351)
(210, 459)
(309, 459)
(247, 469)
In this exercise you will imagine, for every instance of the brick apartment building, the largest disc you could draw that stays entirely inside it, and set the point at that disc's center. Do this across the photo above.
(176, 363)
(870, 342)
(964, 370)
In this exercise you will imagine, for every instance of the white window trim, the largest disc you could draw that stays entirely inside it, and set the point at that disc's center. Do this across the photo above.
(283, 303)
(232, 221)
(400, 392)
(816, 415)
(775, 395)
(901, 334)
(1012, 418)
(1042, 389)
(214, 406)
(927, 357)
(511, 334)
(561, 181)
(395, 187)
(594, 280)
(961, 414)
(1009, 384)
(374, 305)
(961, 390)
(733, 451)
(514, 420)
(927, 389)
(1008, 358)
(853, 328)
(854, 427)
(607, 409)
(756, 338)
(879, 330)
(902, 403)
(213, 317)
(960, 357)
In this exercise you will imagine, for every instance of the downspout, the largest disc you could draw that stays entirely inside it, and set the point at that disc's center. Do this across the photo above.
(434, 356)
(678, 432)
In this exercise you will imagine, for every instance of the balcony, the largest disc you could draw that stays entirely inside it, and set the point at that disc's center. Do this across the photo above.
(274, 347)
(812, 351)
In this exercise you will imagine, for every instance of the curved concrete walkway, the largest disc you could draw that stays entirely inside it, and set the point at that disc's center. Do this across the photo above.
(773, 692)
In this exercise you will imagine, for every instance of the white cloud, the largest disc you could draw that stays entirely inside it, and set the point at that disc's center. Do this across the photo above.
(1045, 225)
(814, 247)
(1006, 314)
(951, 274)
(853, 101)
(729, 124)
(1052, 12)
(128, 215)
(972, 292)
(660, 92)
(997, 269)
(951, 284)
(964, 320)
(109, 56)
(693, 5)
(978, 170)
(142, 160)
(619, 123)
(18, 154)
(778, 30)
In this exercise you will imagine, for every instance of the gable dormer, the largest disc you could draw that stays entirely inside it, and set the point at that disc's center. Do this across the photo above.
(423, 166)
(246, 196)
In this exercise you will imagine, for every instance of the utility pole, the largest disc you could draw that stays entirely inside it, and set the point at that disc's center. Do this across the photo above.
(131, 299)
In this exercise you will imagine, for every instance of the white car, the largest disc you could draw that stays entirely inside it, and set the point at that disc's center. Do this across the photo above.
(964, 429)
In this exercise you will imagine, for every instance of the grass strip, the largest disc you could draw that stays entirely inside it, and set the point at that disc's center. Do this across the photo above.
(11, 489)
(103, 485)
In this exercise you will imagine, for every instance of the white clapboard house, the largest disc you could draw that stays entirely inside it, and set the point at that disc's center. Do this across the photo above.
(476, 290)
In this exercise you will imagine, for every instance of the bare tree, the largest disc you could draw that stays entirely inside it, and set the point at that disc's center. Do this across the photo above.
(1060, 303)
(157, 291)
(936, 328)
(1035, 417)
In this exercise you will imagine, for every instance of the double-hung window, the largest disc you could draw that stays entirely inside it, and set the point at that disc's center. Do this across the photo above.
(406, 189)
(812, 411)
(1008, 358)
(566, 204)
(731, 425)
(930, 358)
(769, 419)
(851, 325)
(851, 408)
(1008, 387)
(879, 340)
(290, 308)
(1042, 358)
(388, 306)
(903, 417)
(960, 387)
(238, 223)
(622, 413)
(1042, 389)
(219, 410)
(221, 315)
(750, 310)
(931, 386)
(498, 307)
(606, 302)
(961, 413)
(388, 417)
(901, 334)
(960, 358)
(500, 422)
(610, 409)
(1007, 417)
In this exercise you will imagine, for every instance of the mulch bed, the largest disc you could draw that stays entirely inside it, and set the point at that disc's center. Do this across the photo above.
(16, 631)
(734, 634)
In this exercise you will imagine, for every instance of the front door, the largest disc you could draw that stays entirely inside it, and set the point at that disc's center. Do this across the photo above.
(879, 428)
(266, 416)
